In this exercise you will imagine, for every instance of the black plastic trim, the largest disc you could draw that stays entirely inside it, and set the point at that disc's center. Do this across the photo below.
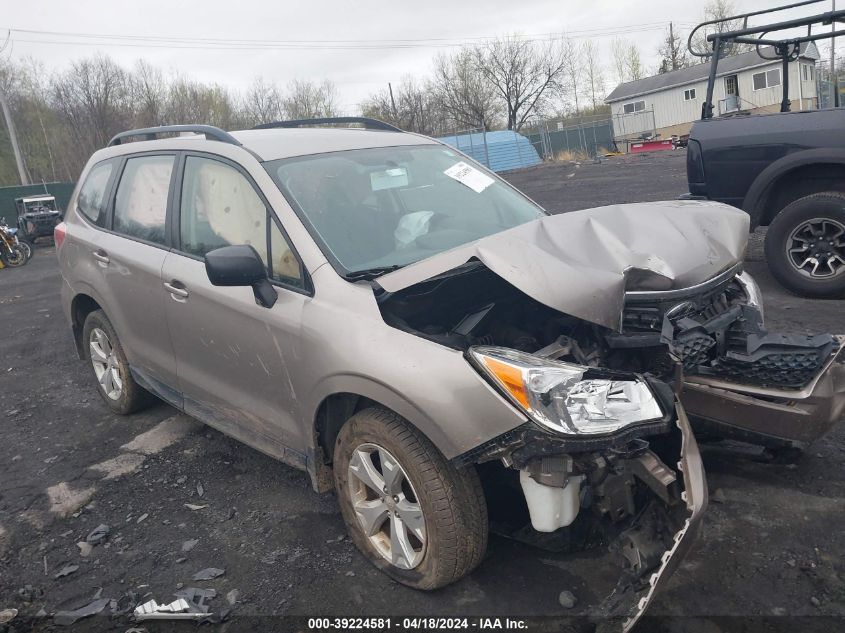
(150, 133)
(368, 123)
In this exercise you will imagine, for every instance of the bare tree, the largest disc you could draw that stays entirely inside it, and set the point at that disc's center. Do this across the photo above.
(573, 68)
(719, 10)
(527, 75)
(262, 102)
(92, 98)
(149, 94)
(309, 100)
(464, 91)
(190, 101)
(634, 63)
(672, 51)
(414, 107)
(619, 51)
(593, 72)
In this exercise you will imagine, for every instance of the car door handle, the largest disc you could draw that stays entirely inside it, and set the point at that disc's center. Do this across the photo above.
(101, 257)
(178, 291)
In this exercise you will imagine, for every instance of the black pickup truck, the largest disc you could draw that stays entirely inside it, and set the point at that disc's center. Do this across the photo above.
(787, 171)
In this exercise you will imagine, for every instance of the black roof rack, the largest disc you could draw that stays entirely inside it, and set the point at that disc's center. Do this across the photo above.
(369, 124)
(150, 133)
(786, 48)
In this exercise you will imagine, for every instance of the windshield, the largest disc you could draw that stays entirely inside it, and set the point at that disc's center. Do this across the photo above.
(382, 208)
(40, 206)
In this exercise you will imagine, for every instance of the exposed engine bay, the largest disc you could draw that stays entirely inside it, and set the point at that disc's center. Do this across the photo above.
(625, 491)
(714, 329)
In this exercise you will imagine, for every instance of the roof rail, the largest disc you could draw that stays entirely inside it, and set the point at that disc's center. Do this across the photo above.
(150, 133)
(369, 124)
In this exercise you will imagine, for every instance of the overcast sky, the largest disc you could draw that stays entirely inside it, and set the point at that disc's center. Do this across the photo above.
(418, 30)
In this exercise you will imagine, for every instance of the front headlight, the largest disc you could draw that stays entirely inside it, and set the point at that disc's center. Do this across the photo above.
(567, 398)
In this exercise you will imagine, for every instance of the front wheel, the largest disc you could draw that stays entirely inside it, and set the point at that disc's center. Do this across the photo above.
(805, 246)
(410, 512)
(15, 256)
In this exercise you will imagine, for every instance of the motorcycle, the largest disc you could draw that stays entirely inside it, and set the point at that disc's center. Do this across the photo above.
(13, 253)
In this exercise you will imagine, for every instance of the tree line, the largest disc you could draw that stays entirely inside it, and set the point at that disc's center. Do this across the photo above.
(500, 83)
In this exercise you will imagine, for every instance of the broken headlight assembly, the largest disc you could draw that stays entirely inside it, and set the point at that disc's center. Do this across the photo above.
(566, 398)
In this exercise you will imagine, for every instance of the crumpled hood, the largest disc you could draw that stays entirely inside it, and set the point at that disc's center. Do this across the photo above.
(582, 263)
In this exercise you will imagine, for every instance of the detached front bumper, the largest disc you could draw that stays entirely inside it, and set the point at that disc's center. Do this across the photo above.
(630, 603)
(769, 417)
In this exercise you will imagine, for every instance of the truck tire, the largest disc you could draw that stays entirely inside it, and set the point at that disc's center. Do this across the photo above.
(111, 373)
(411, 513)
(805, 246)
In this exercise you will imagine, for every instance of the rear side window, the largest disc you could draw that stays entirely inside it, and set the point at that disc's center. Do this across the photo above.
(220, 207)
(92, 200)
(140, 207)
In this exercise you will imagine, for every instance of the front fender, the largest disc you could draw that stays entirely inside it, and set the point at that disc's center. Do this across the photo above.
(755, 198)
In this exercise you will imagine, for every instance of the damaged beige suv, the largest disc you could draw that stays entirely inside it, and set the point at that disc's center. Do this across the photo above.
(375, 308)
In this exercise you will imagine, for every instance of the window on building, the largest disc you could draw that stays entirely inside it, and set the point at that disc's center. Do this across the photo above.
(766, 79)
(636, 106)
(689, 95)
(808, 72)
(140, 206)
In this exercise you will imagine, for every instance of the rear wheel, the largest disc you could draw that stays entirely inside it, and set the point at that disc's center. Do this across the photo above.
(805, 246)
(114, 381)
(27, 247)
(410, 512)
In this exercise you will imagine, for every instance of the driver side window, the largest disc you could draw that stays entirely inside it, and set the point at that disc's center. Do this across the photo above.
(220, 207)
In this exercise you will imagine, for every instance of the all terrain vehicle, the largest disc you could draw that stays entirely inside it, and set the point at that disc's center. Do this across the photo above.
(786, 169)
(37, 216)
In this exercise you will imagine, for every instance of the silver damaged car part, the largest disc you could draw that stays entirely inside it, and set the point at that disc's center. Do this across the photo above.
(374, 308)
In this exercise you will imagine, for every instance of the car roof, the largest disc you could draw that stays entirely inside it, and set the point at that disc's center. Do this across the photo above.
(287, 142)
(275, 143)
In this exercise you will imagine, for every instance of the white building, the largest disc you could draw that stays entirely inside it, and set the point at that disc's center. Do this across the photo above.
(668, 104)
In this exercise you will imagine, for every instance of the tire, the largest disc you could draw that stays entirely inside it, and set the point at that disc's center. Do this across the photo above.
(28, 248)
(451, 501)
(826, 212)
(16, 256)
(131, 397)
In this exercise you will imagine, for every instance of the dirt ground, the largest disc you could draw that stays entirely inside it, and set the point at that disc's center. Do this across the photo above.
(772, 543)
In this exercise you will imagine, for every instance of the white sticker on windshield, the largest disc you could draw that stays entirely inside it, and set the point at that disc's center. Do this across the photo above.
(468, 175)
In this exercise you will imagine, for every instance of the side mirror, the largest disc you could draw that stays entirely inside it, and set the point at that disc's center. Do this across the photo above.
(240, 266)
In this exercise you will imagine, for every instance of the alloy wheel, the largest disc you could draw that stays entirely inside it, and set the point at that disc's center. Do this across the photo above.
(816, 248)
(387, 506)
(106, 363)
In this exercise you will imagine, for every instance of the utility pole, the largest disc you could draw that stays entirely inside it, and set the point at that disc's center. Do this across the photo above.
(392, 102)
(13, 138)
(672, 46)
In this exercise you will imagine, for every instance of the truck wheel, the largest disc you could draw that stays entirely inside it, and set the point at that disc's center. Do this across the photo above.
(411, 513)
(111, 372)
(805, 246)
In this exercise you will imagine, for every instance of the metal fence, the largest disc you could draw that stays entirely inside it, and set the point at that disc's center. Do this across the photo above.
(588, 138)
(634, 126)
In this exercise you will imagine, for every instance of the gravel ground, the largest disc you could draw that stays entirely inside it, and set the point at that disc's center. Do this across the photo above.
(772, 541)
